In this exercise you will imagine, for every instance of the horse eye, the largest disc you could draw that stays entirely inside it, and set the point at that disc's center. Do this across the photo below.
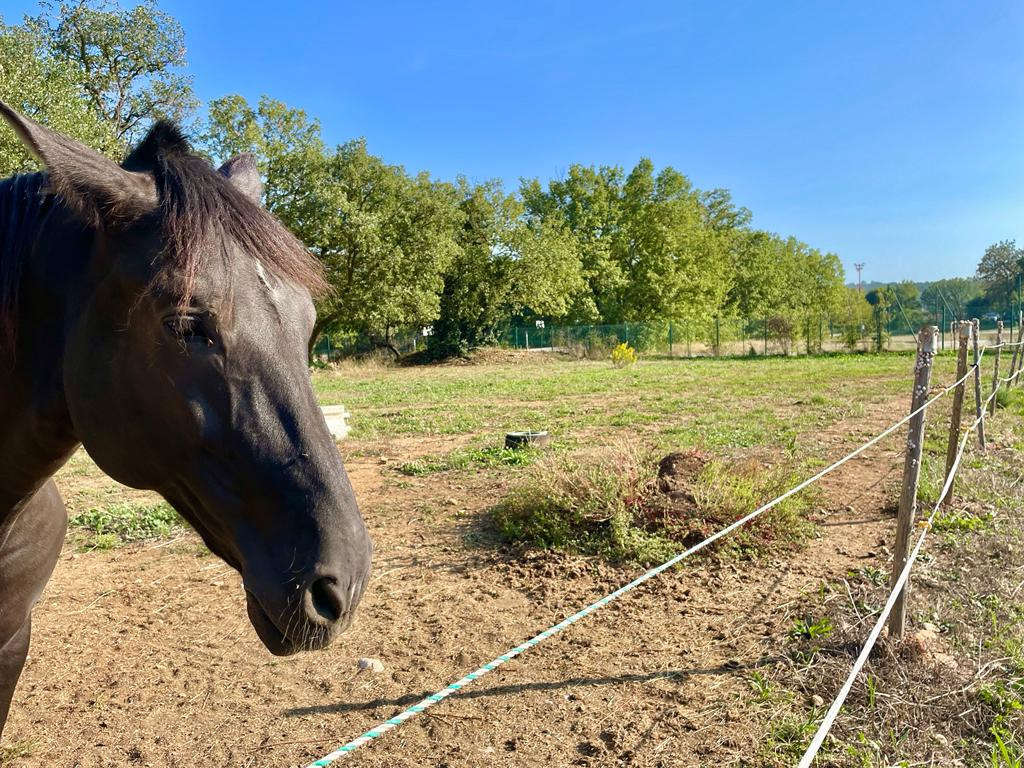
(188, 329)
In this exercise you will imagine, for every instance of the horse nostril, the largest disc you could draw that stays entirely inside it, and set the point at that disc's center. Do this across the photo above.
(327, 598)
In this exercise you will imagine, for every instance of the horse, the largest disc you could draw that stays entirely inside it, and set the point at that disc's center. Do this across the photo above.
(157, 314)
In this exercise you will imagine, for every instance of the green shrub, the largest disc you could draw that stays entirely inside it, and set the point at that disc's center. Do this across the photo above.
(623, 356)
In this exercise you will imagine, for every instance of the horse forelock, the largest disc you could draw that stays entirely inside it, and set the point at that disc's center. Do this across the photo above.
(200, 215)
(201, 212)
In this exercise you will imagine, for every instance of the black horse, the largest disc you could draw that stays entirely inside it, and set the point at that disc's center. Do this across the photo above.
(154, 312)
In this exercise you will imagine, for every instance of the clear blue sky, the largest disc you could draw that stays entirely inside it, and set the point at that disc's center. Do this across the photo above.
(891, 133)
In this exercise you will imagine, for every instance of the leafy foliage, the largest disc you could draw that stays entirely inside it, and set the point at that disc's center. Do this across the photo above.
(47, 90)
(129, 62)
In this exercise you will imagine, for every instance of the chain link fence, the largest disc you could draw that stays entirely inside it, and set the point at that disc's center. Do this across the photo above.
(715, 336)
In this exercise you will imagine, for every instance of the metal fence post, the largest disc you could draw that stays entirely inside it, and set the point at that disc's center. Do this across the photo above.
(963, 337)
(911, 472)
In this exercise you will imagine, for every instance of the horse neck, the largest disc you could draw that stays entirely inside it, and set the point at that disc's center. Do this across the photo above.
(44, 254)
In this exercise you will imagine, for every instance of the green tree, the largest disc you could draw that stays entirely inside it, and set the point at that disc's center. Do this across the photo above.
(508, 266)
(652, 247)
(999, 269)
(907, 307)
(130, 62)
(880, 301)
(385, 239)
(588, 203)
(674, 264)
(289, 150)
(855, 315)
(951, 296)
(46, 90)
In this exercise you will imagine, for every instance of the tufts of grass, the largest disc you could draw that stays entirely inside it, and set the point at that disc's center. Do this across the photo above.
(584, 502)
(961, 522)
(811, 629)
(1006, 751)
(606, 502)
(726, 491)
(788, 736)
(118, 524)
(16, 750)
(471, 458)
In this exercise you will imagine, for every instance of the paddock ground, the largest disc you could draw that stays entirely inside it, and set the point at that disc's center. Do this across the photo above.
(142, 653)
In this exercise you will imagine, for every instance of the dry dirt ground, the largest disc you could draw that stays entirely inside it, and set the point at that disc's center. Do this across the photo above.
(142, 655)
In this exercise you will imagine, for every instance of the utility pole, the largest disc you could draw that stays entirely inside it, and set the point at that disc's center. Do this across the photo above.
(860, 283)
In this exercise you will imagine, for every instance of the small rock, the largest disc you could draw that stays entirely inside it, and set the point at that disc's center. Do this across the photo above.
(373, 665)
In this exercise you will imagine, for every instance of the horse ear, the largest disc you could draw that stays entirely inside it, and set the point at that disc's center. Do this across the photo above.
(243, 171)
(100, 191)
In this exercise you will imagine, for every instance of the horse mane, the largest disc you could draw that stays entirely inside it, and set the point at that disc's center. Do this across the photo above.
(24, 205)
(197, 205)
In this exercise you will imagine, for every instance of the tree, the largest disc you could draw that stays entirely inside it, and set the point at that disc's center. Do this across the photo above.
(385, 239)
(129, 62)
(999, 270)
(652, 247)
(854, 312)
(588, 204)
(951, 296)
(507, 266)
(674, 264)
(46, 90)
(289, 150)
(880, 301)
(906, 298)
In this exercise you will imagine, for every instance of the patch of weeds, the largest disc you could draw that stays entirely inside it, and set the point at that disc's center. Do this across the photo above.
(873, 575)
(466, 458)
(811, 628)
(118, 524)
(789, 734)
(724, 492)
(584, 502)
(961, 522)
(766, 692)
(610, 502)
(1006, 751)
(16, 750)
(866, 753)
(1006, 398)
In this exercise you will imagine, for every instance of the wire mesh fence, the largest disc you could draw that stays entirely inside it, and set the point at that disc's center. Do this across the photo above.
(709, 337)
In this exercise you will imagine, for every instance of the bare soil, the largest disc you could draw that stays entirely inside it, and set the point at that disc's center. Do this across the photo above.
(143, 655)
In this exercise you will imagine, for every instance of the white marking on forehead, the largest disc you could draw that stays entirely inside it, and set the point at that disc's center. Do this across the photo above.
(261, 273)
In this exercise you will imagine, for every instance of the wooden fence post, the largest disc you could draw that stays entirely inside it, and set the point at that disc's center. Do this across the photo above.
(911, 472)
(963, 337)
(975, 333)
(995, 366)
(1016, 351)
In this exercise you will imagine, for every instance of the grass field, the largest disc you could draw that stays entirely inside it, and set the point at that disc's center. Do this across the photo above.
(762, 628)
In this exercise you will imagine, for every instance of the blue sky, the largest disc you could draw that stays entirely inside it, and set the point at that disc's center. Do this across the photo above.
(890, 133)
